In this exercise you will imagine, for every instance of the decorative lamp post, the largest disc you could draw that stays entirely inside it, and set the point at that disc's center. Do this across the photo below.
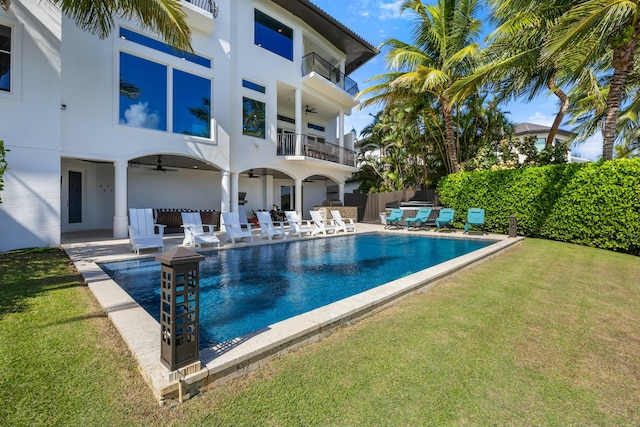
(179, 307)
(513, 226)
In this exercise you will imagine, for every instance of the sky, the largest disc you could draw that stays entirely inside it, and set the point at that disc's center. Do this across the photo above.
(378, 20)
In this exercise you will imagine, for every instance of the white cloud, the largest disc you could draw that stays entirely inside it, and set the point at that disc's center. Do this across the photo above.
(590, 149)
(541, 119)
(138, 115)
(390, 10)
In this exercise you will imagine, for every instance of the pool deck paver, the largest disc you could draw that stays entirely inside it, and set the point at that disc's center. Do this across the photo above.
(218, 364)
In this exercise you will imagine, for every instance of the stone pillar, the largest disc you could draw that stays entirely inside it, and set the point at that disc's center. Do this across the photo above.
(298, 196)
(120, 219)
(225, 190)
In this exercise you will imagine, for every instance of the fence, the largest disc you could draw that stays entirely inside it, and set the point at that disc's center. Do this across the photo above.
(370, 205)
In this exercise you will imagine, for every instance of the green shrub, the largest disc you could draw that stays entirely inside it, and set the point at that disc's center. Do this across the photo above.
(592, 204)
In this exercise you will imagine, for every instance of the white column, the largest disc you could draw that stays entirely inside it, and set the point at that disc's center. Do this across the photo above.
(225, 197)
(298, 196)
(234, 191)
(341, 193)
(341, 136)
(298, 110)
(120, 219)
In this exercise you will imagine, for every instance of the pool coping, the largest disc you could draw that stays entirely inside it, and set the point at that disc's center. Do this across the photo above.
(237, 357)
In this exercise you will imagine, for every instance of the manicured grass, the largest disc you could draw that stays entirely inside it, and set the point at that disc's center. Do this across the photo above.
(546, 334)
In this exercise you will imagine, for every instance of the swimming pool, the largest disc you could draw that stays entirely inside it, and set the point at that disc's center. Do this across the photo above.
(244, 290)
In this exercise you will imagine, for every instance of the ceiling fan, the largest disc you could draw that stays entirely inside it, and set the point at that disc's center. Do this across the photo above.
(308, 110)
(160, 167)
(252, 175)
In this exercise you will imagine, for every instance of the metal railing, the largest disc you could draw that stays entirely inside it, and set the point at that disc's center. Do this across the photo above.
(316, 148)
(315, 63)
(210, 6)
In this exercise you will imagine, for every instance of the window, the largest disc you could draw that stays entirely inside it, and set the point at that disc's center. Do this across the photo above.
(273, 35)
(315, 127)
(5, 58)
(253, 118)
(162, 47)
(143, 93)
(191, 104)
(163, 97)
(253, 86)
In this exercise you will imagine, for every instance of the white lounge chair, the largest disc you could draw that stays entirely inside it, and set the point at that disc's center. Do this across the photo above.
(295, 224)
(321, 225)
(194, 231)
(342, 224)
(142, 231)
(233, 229)
(267, 227)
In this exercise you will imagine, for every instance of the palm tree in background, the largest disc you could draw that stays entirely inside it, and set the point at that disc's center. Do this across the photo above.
(589, 31)
(443, 50)
(164, 17)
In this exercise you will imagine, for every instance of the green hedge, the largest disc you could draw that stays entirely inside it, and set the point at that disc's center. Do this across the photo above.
(592, 204)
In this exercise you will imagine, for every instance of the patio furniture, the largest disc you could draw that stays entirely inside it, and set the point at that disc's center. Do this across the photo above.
(420, 219)
(475, 219)
(267, 227)
(142, 231)
(321, 225)
(445, 219)
(296, 224)
(342, 224)
(394, 218)
(233, 229)
(194, 231)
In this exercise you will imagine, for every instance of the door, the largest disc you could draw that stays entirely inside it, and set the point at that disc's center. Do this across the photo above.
(74, 193)
(75, 197)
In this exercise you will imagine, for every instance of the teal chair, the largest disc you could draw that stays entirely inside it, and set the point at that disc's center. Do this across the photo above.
(475, 219)
(445, 219)
(394, 218)
(420, 219)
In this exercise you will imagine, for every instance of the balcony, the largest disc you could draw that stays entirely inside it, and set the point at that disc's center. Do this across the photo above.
(323, 76)
(201, 14)
(316, 148)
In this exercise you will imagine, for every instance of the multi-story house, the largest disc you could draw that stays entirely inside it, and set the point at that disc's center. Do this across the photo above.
(96, 126)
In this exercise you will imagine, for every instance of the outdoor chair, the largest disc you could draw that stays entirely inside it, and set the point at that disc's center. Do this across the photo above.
(342, 224)
(234, 228)
(194, 231)
(296, 226)
(321, 225)
(421, 218)
(267, 227)
(142, 231)
(475, 219)
(445, 219)
(394, 218)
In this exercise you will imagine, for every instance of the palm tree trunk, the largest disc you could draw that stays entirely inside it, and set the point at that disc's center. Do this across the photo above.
(450, 140)
(564, 106)
(622, 66)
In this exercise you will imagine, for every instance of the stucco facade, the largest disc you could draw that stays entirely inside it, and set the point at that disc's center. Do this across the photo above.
(78, 159)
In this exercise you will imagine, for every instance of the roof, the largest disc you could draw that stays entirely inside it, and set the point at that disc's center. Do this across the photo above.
(357, 49)
(532, 128)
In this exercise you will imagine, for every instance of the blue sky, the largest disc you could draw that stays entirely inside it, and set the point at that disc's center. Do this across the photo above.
(378, 20)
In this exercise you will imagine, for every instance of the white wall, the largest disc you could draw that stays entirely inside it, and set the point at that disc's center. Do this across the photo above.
(30, 128)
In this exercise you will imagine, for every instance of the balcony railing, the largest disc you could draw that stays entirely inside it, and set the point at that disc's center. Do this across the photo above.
(317, 148)
(210, 6)
(314, 63)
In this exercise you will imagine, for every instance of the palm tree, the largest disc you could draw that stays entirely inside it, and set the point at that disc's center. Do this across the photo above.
(442, 52)
(512, 63)
(589, 31)
(164, 17)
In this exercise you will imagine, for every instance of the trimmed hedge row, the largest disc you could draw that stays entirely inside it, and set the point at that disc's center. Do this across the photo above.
(592, 204)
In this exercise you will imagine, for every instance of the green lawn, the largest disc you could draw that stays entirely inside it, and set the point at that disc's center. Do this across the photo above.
(546, 334)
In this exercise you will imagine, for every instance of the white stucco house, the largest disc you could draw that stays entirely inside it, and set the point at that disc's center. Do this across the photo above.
(541, 132)
(95, 127)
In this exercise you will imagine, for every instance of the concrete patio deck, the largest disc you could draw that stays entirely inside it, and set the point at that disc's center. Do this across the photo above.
(237, 357)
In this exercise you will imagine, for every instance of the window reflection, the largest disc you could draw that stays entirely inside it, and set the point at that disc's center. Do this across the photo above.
(253, 118)
(273, 35)
(143, 93)
(191, 104)
(5, 58)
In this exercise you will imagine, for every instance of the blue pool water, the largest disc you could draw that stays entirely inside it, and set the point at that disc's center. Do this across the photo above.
(243, 290)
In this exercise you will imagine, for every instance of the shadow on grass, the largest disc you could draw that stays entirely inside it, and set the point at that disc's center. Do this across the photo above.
(25, 274)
